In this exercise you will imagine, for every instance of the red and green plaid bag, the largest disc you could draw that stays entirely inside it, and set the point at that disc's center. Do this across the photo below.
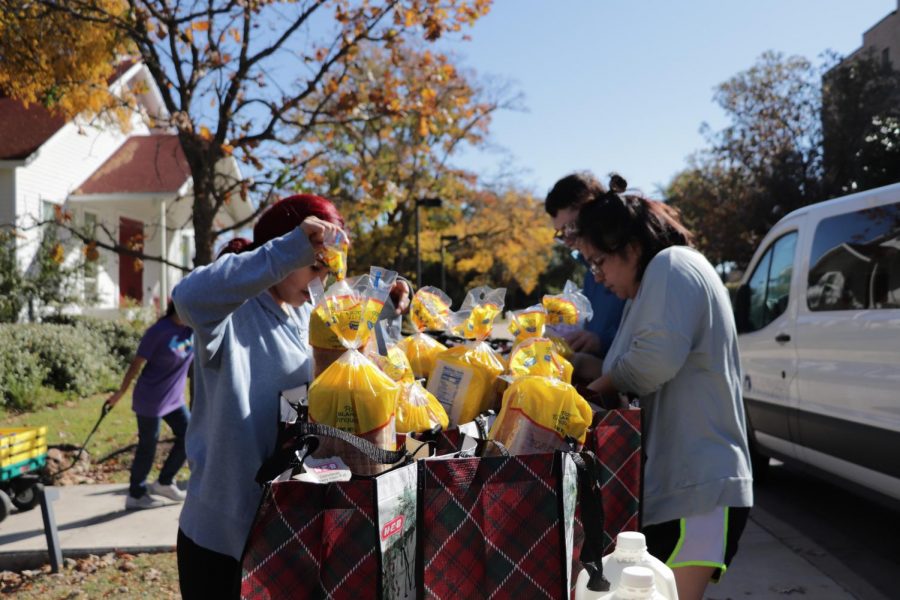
(616, 441)
(344, 539)
(497, 526)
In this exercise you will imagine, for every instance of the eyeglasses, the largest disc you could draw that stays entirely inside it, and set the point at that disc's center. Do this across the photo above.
(595, 264)
(565, 234)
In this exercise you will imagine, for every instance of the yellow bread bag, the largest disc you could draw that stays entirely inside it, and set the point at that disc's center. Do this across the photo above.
(422, 351)
(429, 310)
(538, 414)
(334, 254)
(395, 365)
(561, 346)
(527, 323)
(331, 335)
(464, 379)
(537, 356)
(418, 410)
(567, 312)
(353, 394)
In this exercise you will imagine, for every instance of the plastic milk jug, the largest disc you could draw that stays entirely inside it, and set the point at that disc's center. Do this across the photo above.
(635, 583)
(631, 550)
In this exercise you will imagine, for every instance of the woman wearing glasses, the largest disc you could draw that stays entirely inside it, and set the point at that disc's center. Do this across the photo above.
(562, 204)
(250, 314)
(676, 350)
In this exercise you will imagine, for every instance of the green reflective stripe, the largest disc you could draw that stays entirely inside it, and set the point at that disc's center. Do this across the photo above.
(681, 524)
(725, 537)
(698, 563)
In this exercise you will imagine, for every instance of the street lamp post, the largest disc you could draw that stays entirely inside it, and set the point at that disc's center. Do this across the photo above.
(451, 239)
(427, 203)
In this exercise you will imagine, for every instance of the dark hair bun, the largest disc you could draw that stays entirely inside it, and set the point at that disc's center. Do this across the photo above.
(235, 246)
(617, 183)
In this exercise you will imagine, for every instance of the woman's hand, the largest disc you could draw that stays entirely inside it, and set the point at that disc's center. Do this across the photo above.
(400, 297)
(318, 231)
(584, 341)
(114, 398)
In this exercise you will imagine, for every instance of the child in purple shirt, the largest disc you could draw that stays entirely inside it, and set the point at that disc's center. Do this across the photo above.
(163, 359)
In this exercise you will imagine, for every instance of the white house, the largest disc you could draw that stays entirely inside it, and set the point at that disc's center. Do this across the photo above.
(136, 186)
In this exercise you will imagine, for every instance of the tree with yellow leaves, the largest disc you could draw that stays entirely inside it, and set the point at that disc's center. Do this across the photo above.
(248, 79)
(382, 150)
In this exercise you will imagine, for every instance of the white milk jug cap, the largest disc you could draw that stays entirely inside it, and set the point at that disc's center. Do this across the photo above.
(637, 577)
(631, 541)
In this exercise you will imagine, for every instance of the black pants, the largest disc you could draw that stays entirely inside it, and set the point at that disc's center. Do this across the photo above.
(203, 573)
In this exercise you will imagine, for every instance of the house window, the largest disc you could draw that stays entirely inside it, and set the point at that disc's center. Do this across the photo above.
(48, 216)
(886, 59)
(91, 260)
(187, 248)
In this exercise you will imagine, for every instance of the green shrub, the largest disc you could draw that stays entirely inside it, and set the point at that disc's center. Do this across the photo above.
(77, 359)
(122, 337)
(21, 374)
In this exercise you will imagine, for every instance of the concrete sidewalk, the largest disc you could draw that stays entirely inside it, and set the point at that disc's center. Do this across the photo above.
(92, 520)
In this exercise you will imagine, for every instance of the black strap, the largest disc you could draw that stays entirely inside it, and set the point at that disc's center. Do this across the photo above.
(592, 518)
(300, 437)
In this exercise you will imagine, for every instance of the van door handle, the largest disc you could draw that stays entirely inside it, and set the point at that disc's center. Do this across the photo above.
(782, 338)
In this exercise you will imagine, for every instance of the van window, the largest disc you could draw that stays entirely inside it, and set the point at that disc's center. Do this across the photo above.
(855, 261)
(770, 283)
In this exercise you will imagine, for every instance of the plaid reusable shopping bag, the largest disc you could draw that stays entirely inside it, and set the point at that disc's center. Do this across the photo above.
(343, 539)
(616, 441)
(497, 526)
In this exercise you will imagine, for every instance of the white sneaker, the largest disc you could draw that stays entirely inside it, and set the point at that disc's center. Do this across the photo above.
(170, 491)
(145, 501)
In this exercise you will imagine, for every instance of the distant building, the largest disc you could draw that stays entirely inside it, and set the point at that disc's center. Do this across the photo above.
(883, 39)
(133, 189)
(860, 110)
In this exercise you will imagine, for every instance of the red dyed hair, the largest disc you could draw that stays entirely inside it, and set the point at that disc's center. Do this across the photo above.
(286, 214)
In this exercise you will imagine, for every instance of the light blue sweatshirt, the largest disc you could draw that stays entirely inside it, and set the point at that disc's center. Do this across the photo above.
(677, 350)
(247, 350)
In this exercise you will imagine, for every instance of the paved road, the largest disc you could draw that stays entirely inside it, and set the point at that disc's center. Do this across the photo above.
(854, 538)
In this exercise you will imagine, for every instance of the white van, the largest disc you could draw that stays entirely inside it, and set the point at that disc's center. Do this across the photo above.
(818, 313)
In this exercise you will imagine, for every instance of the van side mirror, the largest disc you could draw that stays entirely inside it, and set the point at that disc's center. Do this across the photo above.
(742, 309)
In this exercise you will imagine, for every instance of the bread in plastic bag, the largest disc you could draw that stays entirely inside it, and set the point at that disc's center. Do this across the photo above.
(353, 394)
(537, 356)
(395, 365)
(418, 410)
(334, 254)
(422, 351)
(528, 326)
(429, 310)
(347, 297)
(464, 378)
(538, 414)
(568, 311)
(527, 323)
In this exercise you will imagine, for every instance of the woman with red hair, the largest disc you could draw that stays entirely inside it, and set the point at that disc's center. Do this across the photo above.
(250, 314)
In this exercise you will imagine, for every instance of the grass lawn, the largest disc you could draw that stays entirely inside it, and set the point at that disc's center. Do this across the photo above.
(111, 576)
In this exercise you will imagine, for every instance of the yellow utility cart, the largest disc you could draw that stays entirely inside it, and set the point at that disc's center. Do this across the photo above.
(23, 454)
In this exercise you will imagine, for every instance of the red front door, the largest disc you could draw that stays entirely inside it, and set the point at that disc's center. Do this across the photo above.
(131, 269)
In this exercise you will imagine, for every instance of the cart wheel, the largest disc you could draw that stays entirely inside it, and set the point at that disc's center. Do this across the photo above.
(27, 498)
(5, 505)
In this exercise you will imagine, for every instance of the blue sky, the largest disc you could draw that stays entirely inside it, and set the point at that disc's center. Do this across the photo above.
(625, 84)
